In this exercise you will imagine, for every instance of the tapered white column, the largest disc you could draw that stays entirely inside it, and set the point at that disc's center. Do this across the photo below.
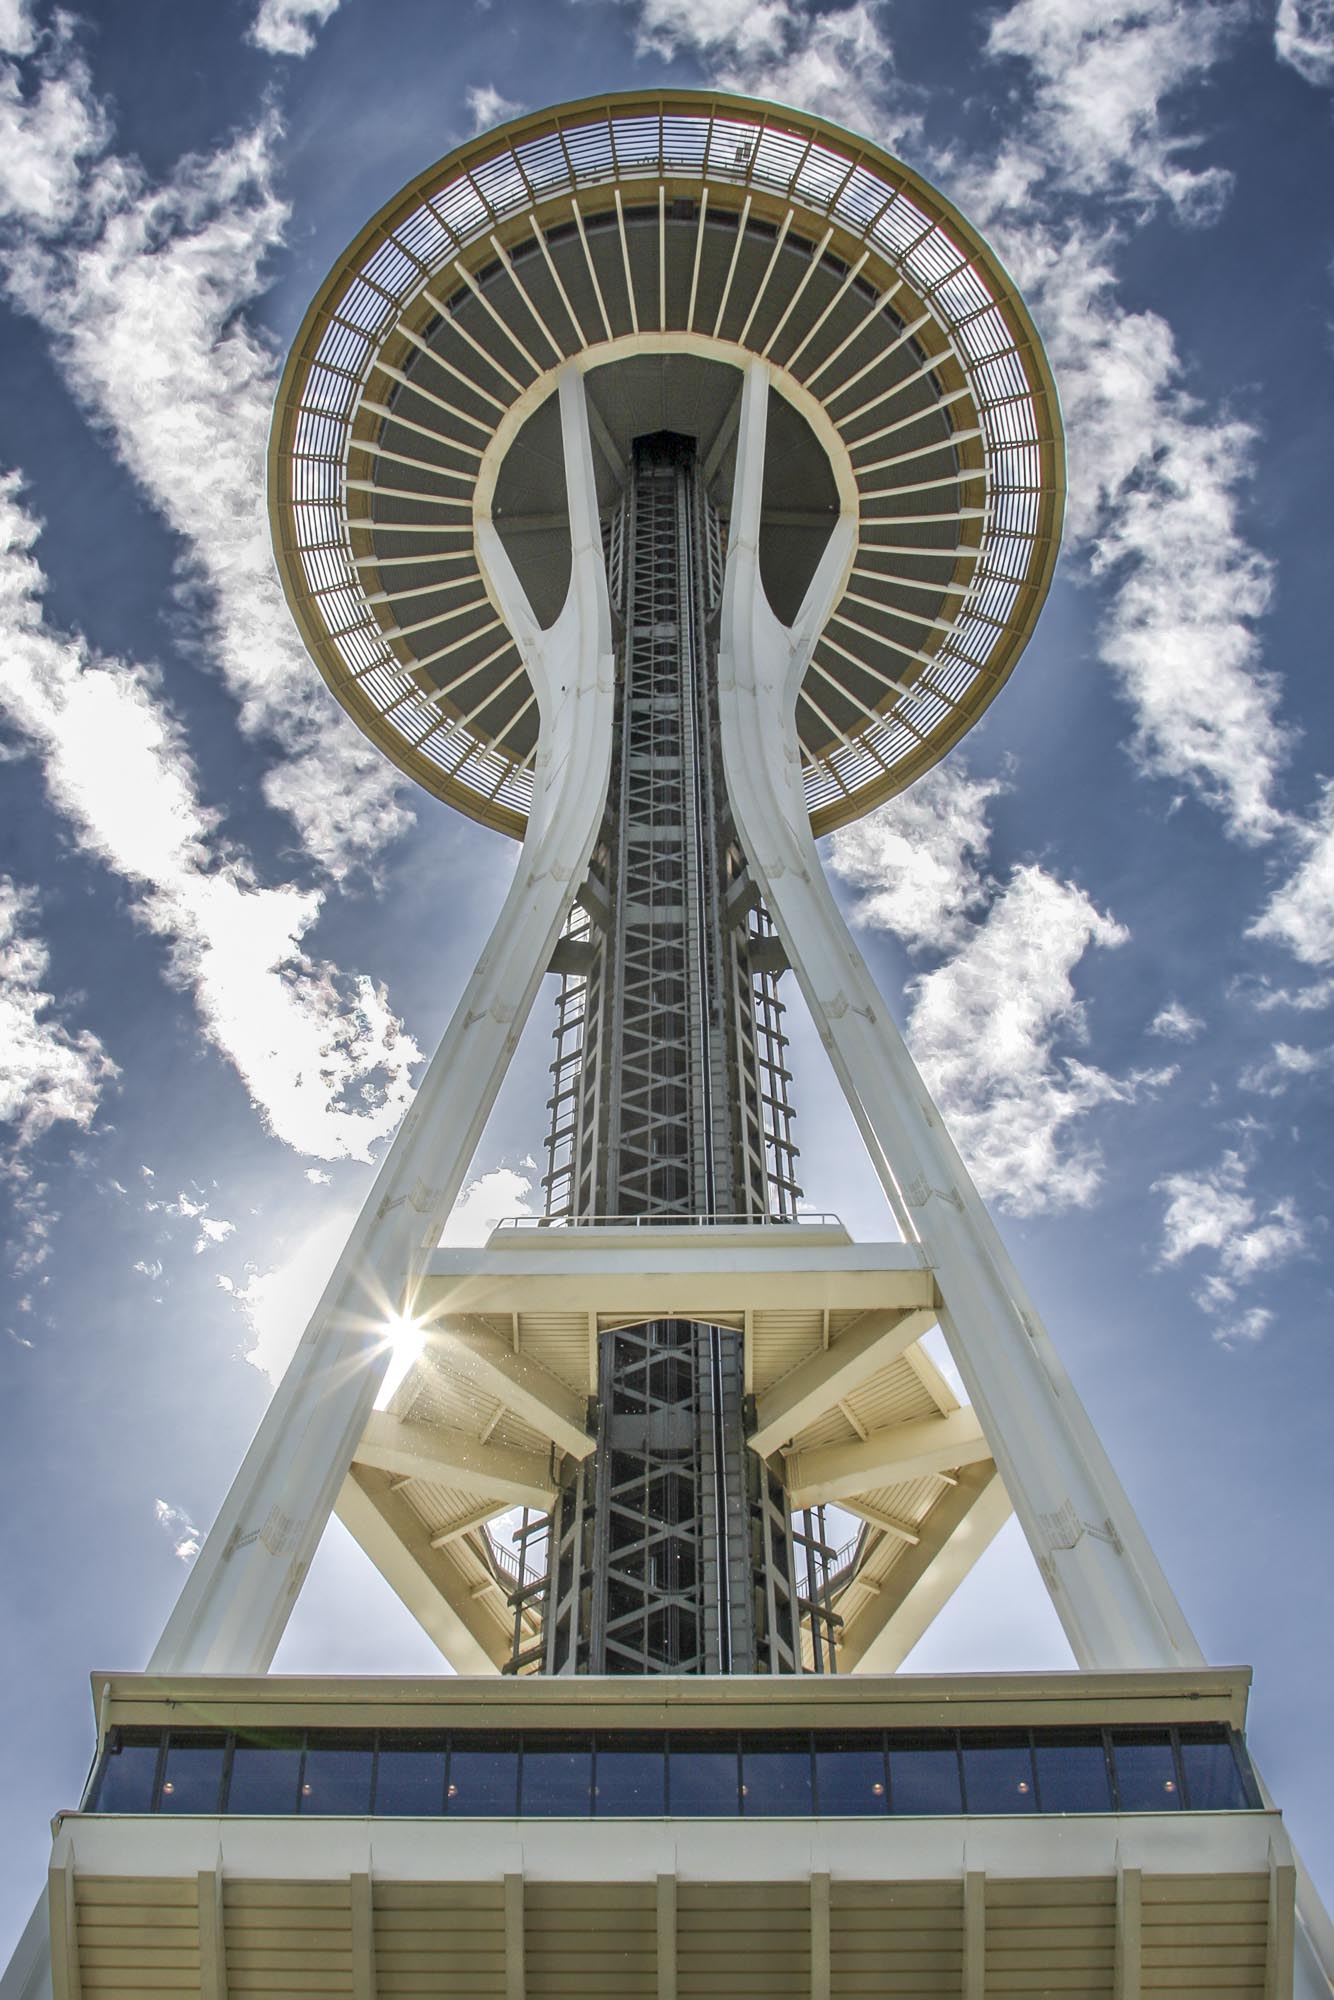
(1112, 1598)
(233, 1609)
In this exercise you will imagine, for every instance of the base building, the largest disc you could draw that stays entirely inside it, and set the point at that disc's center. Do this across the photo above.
(664, 481)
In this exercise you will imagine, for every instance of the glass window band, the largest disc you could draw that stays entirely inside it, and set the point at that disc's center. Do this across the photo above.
(631, 1773)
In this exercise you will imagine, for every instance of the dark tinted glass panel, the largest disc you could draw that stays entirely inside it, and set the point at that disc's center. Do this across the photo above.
(924, 1775)
(410, 1777)
(265, 1775)
(998, 1775)
(1072, 1774)
(850, 1776)
(129, 1767)
(1146, 1772)
(192, 1774)
(776, 1774)
(337, 1777)
(1213, 1782)
(630, 1782)
(704, 1777)
(484, 1776)
(557, 1777)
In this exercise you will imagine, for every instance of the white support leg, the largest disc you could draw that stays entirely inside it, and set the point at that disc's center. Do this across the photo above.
(1112, 1598)
(236, 1603)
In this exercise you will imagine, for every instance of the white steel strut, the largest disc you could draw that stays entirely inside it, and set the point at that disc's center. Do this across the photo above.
(236, 1603)
(1115, 1605)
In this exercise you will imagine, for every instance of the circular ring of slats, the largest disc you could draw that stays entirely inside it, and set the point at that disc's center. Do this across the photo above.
(445, 307)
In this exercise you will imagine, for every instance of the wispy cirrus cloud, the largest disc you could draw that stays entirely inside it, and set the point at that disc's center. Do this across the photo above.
(836, 61)
(1304, 38)
(1287, 1063)
(186, 1539)
(1100, 75)
(486, 106)
(49, 1074)
(289, 27)
(1212, 1213)
(917, 862)
(320, 1052)
(143, 290)
(1174, 1022)
(1157, 482)
(209, 1230)
(1300, 913)
(996, 1030)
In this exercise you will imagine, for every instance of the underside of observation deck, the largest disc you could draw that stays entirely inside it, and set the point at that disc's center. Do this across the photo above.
(641, 237)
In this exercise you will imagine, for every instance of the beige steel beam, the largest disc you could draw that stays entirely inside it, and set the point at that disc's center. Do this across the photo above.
(365, 1982)
(1129, 1933)
(666, 1929)
(516, 1980)
(451, 1458)
(963, 1522)
(974, 1934)
(886, 1458)
(212, 1936)
(656, 1273)
(522, 1384)
(819, 1384)
(426, 1579)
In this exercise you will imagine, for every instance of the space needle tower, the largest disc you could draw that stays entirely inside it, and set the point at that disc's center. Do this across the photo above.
(665, 480)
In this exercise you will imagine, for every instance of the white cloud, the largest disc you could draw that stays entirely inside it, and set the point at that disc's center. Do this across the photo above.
(486, 106)
(18, 36)
(48, 131)
(1302, 999)
(740, 27)
(1304, 37)
(1175, 1023)
(209, 1230)
(1205, 1211)
(1300, 914)
(1100, 71)
(1246, 1328)
(1286, 1062)
(318, 1178)
(324, 1059)
(983, 1029)
(836, 61)
(289, 27)
(1213, 1211)
(484, 1202)
(151, 1271)
(1155, 482)
(277, 1303)
(143, 290)
(918, 860)
(48, 1073)
(186, 1538)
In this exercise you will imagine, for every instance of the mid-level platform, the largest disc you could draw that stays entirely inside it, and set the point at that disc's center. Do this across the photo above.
(841, 1396)
(1024, 1835)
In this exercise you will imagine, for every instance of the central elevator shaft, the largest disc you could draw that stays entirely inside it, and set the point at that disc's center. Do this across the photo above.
(670, 1549)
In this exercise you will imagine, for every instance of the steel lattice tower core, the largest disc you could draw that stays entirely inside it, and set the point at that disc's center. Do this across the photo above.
(672, 1543)
(665, 480)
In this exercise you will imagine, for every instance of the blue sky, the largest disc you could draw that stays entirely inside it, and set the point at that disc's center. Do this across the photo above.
(227, 931)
